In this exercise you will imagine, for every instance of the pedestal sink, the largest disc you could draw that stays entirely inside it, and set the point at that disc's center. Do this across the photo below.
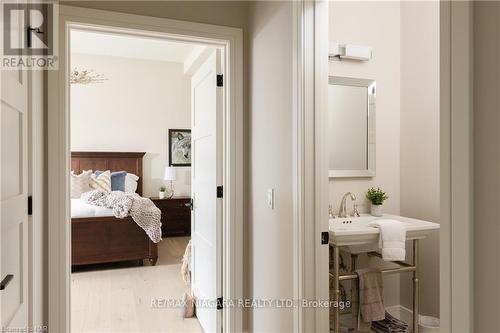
(355, 230)
(355, 235)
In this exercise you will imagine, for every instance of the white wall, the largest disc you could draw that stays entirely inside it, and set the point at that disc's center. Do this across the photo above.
(420, 189)
(132, 111)
(270, 140)
(376, 24)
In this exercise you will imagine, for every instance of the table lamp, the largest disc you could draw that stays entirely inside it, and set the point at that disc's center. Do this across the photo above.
(170, 175)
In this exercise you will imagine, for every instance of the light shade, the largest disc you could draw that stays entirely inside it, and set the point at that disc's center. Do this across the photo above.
(170, 173)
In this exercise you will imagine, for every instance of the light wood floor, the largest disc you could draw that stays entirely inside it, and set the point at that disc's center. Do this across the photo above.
(119, 299)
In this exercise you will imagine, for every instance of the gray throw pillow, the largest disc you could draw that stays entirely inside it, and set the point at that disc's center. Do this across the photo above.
(117, 180)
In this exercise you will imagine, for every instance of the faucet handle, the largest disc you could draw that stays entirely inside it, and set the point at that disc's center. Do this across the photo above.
(355, 210)
(330, 212)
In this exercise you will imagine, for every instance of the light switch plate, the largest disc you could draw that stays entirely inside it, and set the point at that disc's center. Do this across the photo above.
(270, 198)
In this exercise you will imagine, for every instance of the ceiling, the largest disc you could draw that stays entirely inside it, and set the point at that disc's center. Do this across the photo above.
(136, 47)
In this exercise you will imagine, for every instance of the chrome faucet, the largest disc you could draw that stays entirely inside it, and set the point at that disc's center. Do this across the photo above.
(342, 209)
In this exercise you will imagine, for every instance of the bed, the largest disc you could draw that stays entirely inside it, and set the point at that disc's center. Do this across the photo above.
(96, 235)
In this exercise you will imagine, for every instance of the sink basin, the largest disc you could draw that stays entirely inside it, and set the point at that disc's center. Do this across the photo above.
(355, 230)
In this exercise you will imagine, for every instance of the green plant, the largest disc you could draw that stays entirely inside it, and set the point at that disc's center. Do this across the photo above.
(376, 196)
(163, 189)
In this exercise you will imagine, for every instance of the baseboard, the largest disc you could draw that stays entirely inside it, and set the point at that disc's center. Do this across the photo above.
(401, 313)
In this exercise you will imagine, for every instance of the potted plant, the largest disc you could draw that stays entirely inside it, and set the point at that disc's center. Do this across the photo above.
(162, 192)
(377, 198)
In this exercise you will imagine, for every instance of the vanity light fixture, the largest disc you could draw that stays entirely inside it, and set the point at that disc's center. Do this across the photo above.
(349, 51)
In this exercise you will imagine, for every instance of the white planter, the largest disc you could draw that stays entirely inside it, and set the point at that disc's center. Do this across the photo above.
(376, 210)
(161, 195)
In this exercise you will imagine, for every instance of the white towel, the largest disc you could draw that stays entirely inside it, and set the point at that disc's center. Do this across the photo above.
(392, 239)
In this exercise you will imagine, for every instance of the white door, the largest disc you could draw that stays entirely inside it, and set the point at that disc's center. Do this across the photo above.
(13, 197)
(206, 175)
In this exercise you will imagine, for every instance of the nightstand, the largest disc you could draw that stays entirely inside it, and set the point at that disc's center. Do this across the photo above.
(175, 216)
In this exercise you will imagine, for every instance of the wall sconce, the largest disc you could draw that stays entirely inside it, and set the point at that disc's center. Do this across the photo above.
(349, 51)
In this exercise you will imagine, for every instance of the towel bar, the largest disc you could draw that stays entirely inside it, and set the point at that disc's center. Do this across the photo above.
(344, 277)
(404, 267)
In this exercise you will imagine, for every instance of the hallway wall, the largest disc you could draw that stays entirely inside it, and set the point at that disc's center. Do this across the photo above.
(270, 156)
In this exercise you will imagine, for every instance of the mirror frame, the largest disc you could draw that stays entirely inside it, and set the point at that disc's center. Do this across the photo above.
(370, 85)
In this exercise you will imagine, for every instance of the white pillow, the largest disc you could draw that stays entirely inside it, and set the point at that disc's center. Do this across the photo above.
(80, 183)
(131, 183)
(101, 182)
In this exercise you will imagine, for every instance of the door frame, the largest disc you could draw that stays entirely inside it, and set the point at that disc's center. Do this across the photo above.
(310, 176)
(456, 146)
(59, 242)
(36, 189)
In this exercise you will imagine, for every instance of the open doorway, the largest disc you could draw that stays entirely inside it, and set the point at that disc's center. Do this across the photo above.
(382, 166)
(146, 183)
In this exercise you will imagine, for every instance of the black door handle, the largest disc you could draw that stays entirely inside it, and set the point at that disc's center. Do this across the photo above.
(325, 237)
(6, 280)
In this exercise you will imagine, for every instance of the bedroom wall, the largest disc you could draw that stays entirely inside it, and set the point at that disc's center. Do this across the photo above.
(125, 113)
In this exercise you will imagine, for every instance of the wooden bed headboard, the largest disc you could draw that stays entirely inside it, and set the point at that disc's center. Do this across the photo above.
(130, 162)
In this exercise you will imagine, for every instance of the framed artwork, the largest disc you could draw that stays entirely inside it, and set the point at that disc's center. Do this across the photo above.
(179, 147)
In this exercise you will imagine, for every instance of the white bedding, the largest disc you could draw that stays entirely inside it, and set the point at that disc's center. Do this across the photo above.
(82, 209)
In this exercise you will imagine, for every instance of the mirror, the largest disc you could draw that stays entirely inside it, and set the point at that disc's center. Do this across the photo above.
(351, 127)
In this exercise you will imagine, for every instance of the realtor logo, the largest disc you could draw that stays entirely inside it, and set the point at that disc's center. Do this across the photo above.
(28, 35)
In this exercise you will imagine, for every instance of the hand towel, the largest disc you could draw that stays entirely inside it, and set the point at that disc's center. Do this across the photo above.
(371, 297)
(392, 239)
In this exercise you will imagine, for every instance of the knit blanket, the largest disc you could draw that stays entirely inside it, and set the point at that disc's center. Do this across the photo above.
(142, 210)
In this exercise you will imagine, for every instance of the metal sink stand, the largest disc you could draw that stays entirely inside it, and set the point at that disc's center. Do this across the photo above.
(403, 267)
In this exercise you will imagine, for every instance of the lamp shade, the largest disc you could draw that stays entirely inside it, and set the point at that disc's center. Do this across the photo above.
(170, 173)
